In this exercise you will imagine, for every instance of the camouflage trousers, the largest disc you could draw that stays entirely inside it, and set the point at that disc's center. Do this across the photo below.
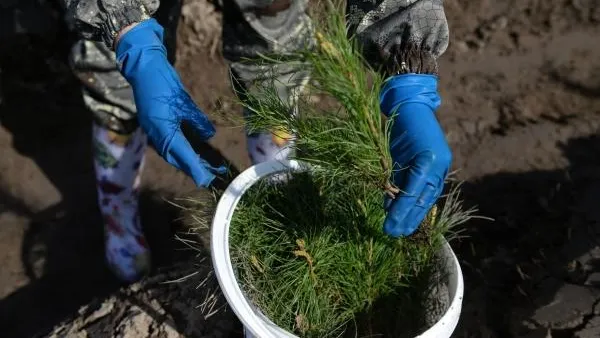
(282, 28)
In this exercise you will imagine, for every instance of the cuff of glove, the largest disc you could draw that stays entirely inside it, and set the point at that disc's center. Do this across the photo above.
(408, 88)
(122, 16)
(147, 34)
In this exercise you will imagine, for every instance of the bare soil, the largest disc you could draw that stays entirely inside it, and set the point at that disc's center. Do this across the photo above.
(521, 107)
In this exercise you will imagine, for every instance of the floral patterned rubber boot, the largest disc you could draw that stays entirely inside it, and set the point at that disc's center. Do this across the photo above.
(276, 145)
(118, 161)
(264, 147)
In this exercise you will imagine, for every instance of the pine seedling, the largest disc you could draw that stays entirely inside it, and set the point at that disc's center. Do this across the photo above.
(349, 142)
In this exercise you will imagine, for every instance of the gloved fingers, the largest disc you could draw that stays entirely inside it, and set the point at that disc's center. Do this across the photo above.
(182, 156)
(402, 205)
(420, 210)
(200, 123)
(429, 195)
(413, 214)
(412, 182)
(220, 170)
(421, 201)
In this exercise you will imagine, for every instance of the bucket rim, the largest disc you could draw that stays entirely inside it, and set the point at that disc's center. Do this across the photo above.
(251, 317)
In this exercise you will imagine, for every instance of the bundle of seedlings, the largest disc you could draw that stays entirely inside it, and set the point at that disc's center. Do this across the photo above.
(310, 251)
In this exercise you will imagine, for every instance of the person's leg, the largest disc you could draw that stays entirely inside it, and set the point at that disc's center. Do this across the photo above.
(250, 28)
(270, 144)
(119, 146)
(119, 160)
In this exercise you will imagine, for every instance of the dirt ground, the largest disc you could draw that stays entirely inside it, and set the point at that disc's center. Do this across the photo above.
(521, 89)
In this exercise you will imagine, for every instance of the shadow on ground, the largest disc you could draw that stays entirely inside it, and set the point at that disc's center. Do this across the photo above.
(536, 266)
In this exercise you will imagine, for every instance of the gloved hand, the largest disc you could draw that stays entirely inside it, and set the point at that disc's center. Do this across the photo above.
(418, 148)
(162, 102)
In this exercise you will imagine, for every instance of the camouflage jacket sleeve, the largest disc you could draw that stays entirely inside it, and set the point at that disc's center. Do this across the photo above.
(101, 20)
(401, 35)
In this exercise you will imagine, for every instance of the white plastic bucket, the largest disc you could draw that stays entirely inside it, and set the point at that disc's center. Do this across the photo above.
(255, 323)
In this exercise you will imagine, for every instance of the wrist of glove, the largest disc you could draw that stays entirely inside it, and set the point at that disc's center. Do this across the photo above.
(162, 102)
(419, 150)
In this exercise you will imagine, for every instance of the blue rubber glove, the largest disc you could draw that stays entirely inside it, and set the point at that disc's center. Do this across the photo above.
(418, 148)
(162, 102)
